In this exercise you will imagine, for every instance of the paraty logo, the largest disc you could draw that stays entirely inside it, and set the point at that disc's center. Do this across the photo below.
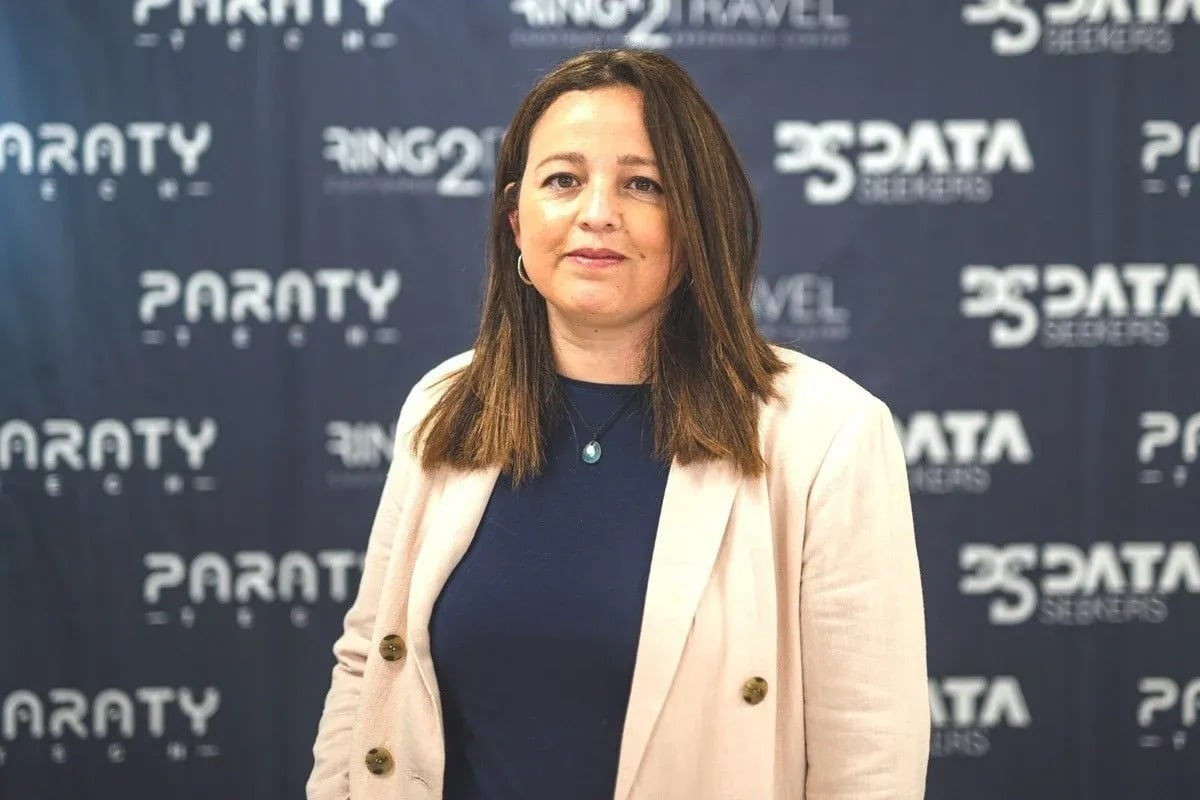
(250, 303)
(799, 307)
(660, 24)
(69, 454)
(1167, 711)
(114, 157)
(966, 710)
(1070, 584)
(1064, 305)
(191, 591)
(881, 162)
(1170, 157)
(1168, 446)
(455, 162)
(62, 723)
(1081, 27)
(170, 24)
(955, 451)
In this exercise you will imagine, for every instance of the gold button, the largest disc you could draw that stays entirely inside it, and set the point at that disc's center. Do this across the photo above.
(391, 648)
(754, 690)
(379, 761)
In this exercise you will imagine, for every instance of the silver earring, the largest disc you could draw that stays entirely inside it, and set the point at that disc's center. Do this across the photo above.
(524, 276)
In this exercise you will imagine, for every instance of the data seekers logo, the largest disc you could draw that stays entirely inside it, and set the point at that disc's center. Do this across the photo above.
(881, 162)
(361, 452)
(1167, 711)
(1170, 157)
(172, 24)
(952, 452)
(215, 589)
(967, 710)
(248, 305)
(62, 724)
(799, 307)
(1081, 27)
(1064, 305)
(1168, 447)
(660, 24)
(109, 159)
(68, 454)
(1070, 584)
(455, 162)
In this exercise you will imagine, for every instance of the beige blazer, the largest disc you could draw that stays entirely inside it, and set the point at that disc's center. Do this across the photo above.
(803, 582)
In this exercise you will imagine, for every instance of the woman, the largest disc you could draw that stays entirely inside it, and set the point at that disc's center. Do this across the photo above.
(626, 548)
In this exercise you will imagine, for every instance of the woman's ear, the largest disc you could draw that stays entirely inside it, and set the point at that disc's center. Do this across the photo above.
(514, 220)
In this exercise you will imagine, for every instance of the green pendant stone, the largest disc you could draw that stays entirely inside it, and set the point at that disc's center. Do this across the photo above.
(591, 452)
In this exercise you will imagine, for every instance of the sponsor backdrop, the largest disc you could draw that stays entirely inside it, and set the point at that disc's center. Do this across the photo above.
(234, 232)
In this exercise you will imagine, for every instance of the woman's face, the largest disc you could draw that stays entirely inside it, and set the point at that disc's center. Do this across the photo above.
(591, 219)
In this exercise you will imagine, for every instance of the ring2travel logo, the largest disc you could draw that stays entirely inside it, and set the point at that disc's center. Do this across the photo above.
(58, 153)
(1081, 27)
(456, 162)
(661, 24)
(168, 23)
(799, 307)
(882, 163)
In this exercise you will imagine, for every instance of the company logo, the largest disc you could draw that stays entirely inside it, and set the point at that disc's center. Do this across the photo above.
(172, 307)
(799, 307)
(1178, 704)
(1063, 305)
(1164, 140)
(114, 450)
(1066, 584)
(245, 583)
(456, 162)
(954, 451)
(363, 452)
(724, 24)
(1081, 27)
(879, 162)
(57, 152)
(66, 722)
(966, 710)
(168, 23)
(1178, 436)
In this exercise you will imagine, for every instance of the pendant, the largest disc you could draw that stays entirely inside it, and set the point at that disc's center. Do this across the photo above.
(591, 452)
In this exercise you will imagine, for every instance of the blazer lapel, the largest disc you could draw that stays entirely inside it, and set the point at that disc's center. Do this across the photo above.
(691, 526)
(456, 511)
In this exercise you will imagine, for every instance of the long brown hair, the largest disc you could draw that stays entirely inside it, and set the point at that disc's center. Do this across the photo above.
(706, 363)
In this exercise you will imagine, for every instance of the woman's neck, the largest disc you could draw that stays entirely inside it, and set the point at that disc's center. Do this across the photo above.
(600, 355)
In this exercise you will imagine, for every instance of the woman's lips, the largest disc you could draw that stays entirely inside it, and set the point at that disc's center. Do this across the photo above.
(595, 258)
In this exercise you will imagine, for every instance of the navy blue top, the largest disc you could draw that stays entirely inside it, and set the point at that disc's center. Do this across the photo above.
(535, 634)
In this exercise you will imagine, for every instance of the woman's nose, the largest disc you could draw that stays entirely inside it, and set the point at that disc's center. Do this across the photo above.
(600, 208)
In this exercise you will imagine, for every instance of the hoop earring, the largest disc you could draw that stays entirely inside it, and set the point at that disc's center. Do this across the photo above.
(524, 276)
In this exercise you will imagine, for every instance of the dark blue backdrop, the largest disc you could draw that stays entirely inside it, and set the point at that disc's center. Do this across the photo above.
(234, 232)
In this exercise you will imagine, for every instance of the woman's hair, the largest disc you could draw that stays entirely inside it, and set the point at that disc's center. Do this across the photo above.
(706, 363)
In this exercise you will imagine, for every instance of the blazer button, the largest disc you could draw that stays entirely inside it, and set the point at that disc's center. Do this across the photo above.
(391, 647)
(754, 690)
(379, 761)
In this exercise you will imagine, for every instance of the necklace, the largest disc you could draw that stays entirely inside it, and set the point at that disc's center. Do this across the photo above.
(592, 451)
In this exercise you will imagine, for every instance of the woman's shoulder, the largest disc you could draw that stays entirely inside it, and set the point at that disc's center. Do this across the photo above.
(818, 396)
(430, 385)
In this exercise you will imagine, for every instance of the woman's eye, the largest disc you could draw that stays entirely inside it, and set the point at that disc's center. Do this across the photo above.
(561, 181)
(645, 185)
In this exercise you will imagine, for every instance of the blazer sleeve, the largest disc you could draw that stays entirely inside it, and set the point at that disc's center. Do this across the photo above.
(330, 777)
(866, 693)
